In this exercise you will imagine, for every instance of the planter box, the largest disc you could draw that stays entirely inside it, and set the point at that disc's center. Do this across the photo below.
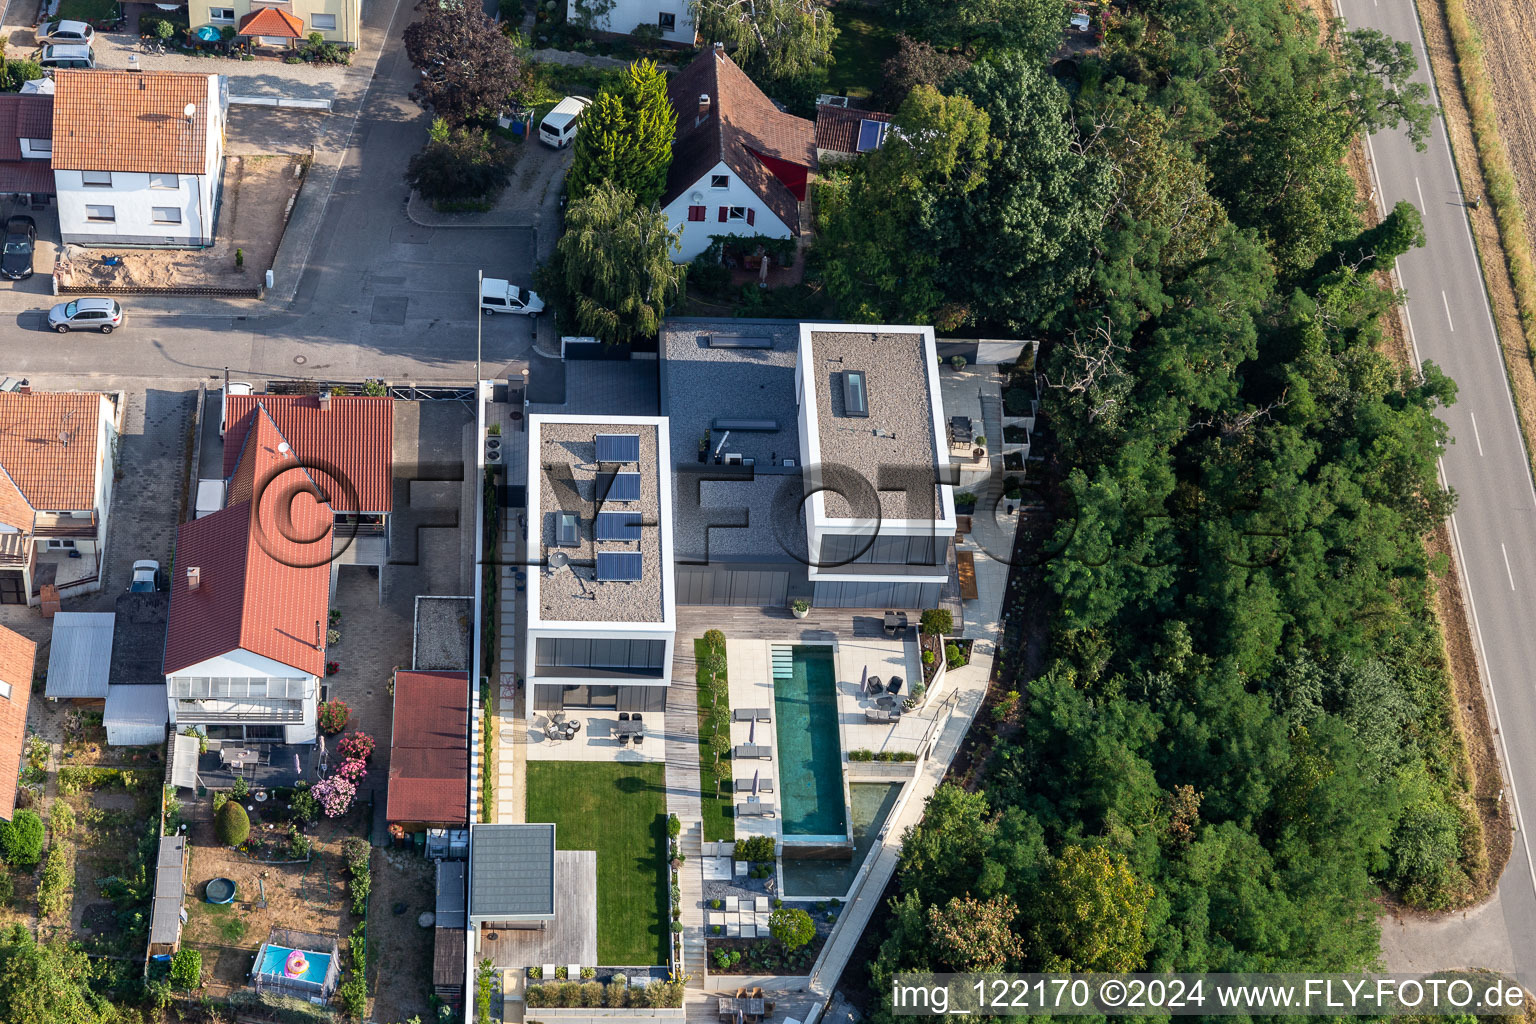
(578, 1014)
(769, 983)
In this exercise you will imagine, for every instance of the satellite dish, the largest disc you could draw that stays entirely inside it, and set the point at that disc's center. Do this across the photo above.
(559, 560)
(189, 110)
(283, 448)
(696, 197)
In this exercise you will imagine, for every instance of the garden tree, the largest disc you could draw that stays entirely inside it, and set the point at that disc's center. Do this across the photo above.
(773, 39)
(1034, 27)
(591, 14)
(792, 926)
(1092, 913)
(1039, 207)
(47, 984)
(612, 271)
(458, 165)
(21, 839)
(231, 825)
(916, 63)
(971, 935)
(626, 137)
(18, 72)
(468, 65)
(875, 218)
(186, 969)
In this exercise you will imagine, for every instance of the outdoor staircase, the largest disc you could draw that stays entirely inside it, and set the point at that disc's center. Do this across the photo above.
(783, 659)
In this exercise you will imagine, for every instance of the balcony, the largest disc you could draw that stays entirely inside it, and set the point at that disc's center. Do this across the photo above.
(44, 525)
(210, 712)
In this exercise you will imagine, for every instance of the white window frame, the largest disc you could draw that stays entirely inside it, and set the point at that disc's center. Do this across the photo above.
(158, 213)
(314, 22)
(56, 544)
(221, 14)
(662, 18)
(719, 181)
(165, 181)
(85, 179)
(5, 689)
(735, 213)
(109, 218)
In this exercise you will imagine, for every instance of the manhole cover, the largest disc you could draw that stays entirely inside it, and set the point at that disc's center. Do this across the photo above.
(301, 360)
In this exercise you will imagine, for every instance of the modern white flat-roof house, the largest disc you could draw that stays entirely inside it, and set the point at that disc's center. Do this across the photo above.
(810, 460)
(672, 18)
(601, 601)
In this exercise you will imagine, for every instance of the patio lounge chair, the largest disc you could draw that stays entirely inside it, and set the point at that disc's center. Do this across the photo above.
(758, 810)
(875, 685)
(741, 714)
(765, 714)
(894, 686)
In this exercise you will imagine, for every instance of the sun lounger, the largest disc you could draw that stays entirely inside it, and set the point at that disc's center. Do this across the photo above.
(754, 810)
(746, 751)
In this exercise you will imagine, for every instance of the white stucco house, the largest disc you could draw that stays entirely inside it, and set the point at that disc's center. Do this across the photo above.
(138, 156)
(740, 166)
(601, 605)
(673, 18)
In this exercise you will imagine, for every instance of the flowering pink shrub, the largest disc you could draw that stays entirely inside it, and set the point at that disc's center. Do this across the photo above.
(355, 745)
(335, 794)
(352, 769)
(333, 715)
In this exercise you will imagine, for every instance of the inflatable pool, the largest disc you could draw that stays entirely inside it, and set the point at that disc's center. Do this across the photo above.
(219, 890)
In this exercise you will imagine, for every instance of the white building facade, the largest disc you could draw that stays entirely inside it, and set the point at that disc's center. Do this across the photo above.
(672, 18)
(269, 699)
(720, 203)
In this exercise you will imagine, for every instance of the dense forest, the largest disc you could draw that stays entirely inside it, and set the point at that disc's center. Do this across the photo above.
(1242, 733)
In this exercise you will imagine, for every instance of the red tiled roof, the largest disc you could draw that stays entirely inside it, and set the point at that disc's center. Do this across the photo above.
(130, 121)
(26, 176)
(741, 128)
(837, 128)
(51, 474)
(270, 21)
(348, 447)
(24, 117)
(429, 751)
(18, 656)
(264, 567)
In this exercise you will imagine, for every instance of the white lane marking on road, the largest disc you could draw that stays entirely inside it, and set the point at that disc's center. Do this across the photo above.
(1447, 310)
(1475, 434)
(1507, 569)
(1420, 189)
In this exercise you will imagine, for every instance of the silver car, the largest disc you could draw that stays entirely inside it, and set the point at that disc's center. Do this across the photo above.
(68, 32)
(96, 313)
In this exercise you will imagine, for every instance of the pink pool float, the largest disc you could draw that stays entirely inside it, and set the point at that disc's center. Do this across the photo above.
(295, 965)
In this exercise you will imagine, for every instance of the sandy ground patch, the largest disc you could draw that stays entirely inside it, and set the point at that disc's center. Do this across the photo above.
(258, 194)
(400, 947)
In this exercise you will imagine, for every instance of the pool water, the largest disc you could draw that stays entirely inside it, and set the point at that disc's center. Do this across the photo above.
(810, 753)
(871, 804)
(275, 959)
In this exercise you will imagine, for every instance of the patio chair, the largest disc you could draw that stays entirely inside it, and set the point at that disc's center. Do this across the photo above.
(623, 716)
(639, 736)
(636, 718)
(623, 739)
(894, 686)
(876, 685)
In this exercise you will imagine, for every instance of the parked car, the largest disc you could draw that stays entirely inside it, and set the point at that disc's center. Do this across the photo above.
(96, 313)
(67, 32)
(558, 129)
(499, 296)
(20, 240)
(146, 576)
(68, 55)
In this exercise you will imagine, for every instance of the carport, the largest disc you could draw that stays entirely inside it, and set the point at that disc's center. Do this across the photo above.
(80, 656)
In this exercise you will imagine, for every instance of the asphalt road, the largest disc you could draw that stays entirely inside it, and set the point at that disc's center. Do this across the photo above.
(1494, 528)
(381, 296)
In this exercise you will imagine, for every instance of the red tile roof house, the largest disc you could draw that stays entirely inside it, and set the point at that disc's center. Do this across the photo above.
(429, 751)
(18, 656)
(739, 165)
(138, 156)
(347, 443)
(56, 476)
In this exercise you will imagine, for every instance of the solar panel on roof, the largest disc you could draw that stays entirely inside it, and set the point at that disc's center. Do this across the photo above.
(566, 530)
(618, 447)
(618, 526)
(871, 134)
(618, 566)
(623, 487)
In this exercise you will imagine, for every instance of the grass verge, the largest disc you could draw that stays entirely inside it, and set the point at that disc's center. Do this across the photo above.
(1493, 157)
(719, 812)
(619, 810)
(864, 43)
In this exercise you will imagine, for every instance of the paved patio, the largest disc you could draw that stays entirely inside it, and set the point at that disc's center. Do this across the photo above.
(598, 739)
(883, 658)
(571, 938)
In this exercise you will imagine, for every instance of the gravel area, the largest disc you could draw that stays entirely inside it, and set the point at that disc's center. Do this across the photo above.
(261, 76)
(896, 439)
(443, 633)
(568, 482)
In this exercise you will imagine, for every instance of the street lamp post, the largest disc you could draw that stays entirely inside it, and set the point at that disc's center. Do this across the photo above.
(479, 327)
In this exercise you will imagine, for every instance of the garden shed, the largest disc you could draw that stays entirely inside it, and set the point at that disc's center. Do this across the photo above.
(167, 915)
(80, 656)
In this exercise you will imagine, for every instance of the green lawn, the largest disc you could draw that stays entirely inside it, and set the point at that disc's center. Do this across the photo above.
(719, 812)
(864, 42)
(94, 11)
(619, 810)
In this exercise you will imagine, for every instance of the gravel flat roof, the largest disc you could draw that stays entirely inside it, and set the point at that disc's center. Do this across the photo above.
(701, 385)
(896, 439)
(569, 482)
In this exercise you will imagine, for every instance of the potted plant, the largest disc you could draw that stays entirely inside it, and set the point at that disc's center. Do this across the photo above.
(704, 448)
(799, 607)
(981, 447)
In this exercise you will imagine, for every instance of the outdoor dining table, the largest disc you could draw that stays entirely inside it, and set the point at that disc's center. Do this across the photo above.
(729, 1005)
(631, 729)
(235, 757)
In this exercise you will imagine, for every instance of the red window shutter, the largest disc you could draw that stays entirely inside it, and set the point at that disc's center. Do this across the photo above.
(751, 216)
(695, 213)
(724, 212)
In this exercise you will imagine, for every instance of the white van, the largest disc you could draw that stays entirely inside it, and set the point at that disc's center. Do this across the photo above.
(68, 55)
(558, 128)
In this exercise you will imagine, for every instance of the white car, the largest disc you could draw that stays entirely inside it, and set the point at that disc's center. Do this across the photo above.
(146, 575)
(68, 32)
(236, 387)
(499, 296)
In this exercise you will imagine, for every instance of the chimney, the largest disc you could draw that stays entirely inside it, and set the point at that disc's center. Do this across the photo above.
(703, 104)
(325, 400)
(25, 387)
(319, 637)
(194, 577)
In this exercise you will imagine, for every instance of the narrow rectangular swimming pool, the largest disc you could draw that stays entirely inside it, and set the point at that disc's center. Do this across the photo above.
(810, 754)
(312, 967)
